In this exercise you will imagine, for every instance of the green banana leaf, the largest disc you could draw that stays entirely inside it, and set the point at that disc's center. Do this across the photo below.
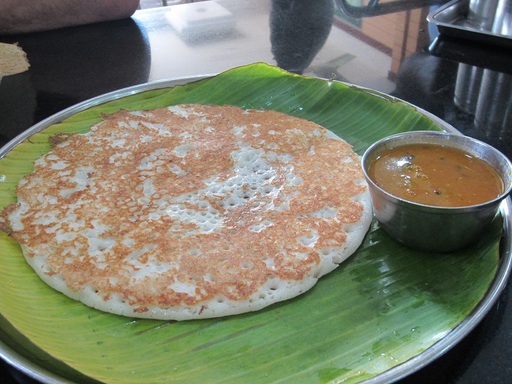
(384, 306)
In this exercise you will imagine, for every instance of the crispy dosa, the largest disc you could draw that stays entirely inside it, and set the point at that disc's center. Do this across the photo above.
(191, 211)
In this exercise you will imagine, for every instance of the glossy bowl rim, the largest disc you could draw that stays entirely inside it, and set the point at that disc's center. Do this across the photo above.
(435, 208)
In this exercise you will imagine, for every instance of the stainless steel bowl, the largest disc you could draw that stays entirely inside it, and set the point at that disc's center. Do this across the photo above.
(431, 228)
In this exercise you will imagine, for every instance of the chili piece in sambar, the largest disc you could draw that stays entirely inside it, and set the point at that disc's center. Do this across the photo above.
(435, 175)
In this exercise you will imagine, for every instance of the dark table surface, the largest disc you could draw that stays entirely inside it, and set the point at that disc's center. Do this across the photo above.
(388, 47)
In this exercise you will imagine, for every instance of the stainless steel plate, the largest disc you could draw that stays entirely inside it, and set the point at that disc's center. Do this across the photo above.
(33, 361)
(452, 20)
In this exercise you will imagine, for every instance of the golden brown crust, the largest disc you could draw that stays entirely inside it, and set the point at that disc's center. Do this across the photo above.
(59, 138)
(4, 221)
(137, 207)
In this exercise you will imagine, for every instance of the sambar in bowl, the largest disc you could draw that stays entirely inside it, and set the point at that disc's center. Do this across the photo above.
(436, 191)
